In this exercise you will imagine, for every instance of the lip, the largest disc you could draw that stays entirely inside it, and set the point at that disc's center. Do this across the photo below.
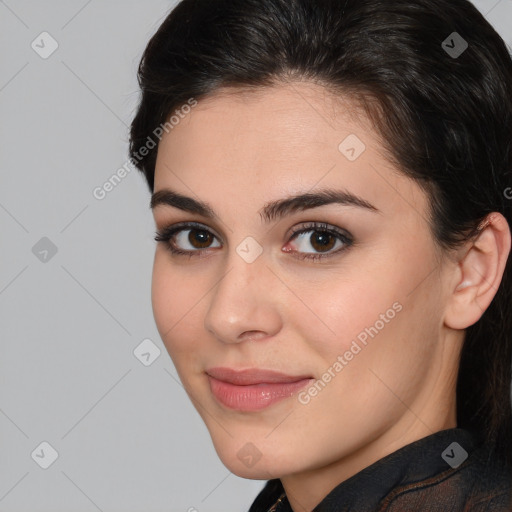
(254, 388)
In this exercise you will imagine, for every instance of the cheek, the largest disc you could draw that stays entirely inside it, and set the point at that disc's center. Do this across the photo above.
(383, 340)
(379, 319)
(345, 309)
(176, 303)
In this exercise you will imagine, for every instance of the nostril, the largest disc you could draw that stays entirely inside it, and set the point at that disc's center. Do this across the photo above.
(251, 335)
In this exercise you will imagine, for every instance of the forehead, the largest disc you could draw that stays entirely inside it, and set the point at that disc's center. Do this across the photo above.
(283, 105)
(276, 141)
(280, 123)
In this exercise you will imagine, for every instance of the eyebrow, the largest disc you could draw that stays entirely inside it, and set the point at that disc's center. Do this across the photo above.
(271, 211)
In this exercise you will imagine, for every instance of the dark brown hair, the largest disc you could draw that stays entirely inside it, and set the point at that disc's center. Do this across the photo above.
(445, 118)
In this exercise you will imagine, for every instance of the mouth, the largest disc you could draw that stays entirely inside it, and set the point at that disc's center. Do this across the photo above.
(253, 389)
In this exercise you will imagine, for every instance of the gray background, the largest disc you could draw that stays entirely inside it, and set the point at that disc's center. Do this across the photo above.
(127, 437)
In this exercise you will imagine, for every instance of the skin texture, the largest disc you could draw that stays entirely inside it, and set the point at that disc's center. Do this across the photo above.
(238, 152)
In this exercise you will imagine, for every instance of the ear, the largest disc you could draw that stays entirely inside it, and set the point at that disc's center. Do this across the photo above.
(478, 273)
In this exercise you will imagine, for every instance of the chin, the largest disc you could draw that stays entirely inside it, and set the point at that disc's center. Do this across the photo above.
(261, 470)
(247, 460)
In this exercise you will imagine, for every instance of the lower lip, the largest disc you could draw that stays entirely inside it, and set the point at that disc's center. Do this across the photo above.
(254, 397)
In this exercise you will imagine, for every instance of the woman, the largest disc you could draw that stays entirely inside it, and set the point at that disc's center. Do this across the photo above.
(331, 190)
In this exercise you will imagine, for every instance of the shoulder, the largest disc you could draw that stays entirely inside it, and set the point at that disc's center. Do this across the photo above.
(481, 484)
(492, 483)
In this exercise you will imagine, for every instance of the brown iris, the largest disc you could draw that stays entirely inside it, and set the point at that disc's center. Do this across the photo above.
(324, 240)
(201, 237)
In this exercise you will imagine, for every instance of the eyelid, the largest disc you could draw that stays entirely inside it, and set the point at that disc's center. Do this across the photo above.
(182, 226)
(317, 226)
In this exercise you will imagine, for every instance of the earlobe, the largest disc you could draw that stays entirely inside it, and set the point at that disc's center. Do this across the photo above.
(479, 273)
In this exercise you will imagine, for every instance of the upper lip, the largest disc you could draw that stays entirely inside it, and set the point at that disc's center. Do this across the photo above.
(252, 376)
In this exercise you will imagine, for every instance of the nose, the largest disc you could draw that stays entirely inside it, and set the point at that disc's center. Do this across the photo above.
(242, 304)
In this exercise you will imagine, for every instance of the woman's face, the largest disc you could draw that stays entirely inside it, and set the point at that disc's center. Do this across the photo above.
(356, 338)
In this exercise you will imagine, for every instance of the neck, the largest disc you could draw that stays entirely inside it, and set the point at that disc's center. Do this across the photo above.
(306, 489)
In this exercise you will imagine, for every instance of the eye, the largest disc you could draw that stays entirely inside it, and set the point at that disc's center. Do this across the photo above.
(177, 239)
(192, 239)
(322, 238)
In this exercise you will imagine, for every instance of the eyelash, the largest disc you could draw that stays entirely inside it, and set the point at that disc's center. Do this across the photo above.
(166, 234)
